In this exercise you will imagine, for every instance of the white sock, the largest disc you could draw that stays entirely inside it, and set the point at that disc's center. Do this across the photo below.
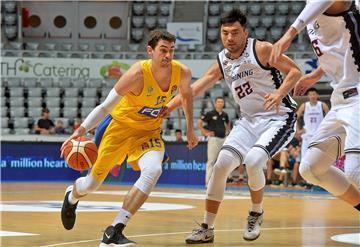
(209, 219)
(257, 208)
(122, 217)
(72, 200)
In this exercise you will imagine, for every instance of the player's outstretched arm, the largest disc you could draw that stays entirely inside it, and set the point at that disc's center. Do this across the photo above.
(307, 81)
(187, 103)
(131, 81)
(309, 13)
(285, 65)
(211, 76)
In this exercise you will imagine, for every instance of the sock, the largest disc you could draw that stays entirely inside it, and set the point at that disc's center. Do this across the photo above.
(257, 208)
(122, 217)
(72, 200)
(209, 219)
(357, 207)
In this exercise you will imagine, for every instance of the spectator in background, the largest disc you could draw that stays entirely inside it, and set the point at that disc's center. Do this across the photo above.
(59, 127)
(45, 125)
(216, 128)
(178, 135)
(77, 123)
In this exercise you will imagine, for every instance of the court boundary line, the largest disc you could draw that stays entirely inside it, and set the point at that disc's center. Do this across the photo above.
(224, 230)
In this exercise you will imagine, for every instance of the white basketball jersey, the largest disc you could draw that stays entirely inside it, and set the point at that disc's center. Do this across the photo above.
(249, 82)
(313, 115)
(336, 42)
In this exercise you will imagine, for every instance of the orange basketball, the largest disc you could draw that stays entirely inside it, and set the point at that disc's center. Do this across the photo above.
(80, 153)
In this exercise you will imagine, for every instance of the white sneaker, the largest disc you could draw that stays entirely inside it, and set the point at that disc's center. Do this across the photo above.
(204, 234)
(253, 228)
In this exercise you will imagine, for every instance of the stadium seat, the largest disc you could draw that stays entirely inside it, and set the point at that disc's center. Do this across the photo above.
(54, 112)
(253, 21)
(30, 82)
(243, 6)
(89, 102)
(71, 92)
(34, 112)
(138, 8)
(150, 22)
(255, 8)
(100, 47)
(79, 83)
(89, 92)
(52, 102)
(162, 21)
(231, 112)
(283, 7)
(34, 102)
(260, 33)
(95, 83)
(52, 92)
(105, 92)
(266, 21)
(165, 9)
(297, 7)
(16, 91)
(22, 131)
(10, 6)
(17, 111)
(66, 46)
(71, 102)
(21, 122)
(216, 93)
(213, 34)
(17, 101)
(213, 21)
(227, 7)
(50, 46)
(275, 33)
(10, 19)
(46, 82)
(280, 21)
(137, 21)
(65, 82)
(137, 34)
(10, 32)
(85, 111)
(151, 9)
(116, 47)
(269, 8)
(214, 9)
(70, 112)
(4, 122)
(33, 46)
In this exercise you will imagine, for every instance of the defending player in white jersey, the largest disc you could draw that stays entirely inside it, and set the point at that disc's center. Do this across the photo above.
(336, 27)
(312, 112)
(268, 118)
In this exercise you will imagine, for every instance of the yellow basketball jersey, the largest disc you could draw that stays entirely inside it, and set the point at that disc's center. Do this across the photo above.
(142, 111)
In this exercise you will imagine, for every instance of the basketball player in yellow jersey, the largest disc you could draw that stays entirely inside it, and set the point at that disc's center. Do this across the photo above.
(133, 129)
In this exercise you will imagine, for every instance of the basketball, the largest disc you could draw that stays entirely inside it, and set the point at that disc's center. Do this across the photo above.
(80, 154)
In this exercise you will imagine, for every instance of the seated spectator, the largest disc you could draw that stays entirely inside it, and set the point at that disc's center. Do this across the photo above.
(77, 123)
(59, 127)
(44, 126)
(178, 135)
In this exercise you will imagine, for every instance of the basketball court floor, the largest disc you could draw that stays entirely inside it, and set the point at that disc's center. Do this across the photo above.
(30, 216)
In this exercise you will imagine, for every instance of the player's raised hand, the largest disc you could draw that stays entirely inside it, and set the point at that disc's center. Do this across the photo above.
(192, 139)
(81, 131)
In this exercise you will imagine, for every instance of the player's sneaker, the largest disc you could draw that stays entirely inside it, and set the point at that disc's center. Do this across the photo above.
(113, 236)
(68, 214)
(204, 234)
(253, 228)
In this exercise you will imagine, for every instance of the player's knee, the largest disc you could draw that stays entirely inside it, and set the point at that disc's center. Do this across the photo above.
(306, 173)
(225, 163)
(148, 179)
(255, 159)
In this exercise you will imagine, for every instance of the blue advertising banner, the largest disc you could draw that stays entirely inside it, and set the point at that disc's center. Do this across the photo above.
(34, 161)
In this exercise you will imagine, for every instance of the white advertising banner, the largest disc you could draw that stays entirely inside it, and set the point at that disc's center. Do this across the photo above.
(190, 33)
(99, 68)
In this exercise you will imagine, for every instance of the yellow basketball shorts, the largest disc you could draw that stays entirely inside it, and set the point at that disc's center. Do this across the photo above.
(115, 141)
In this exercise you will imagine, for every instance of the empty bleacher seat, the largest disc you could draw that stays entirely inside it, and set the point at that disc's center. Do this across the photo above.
(10, 32)
(34, 102)
(297, 7)
(85, 111)
(54, 112)
(52, 102)
(65, 82)
(283, 7)
(100, 47)
(137, 34)
(10, 19)
(213, 34)
(162, 21)
(227, 7)
(275, 33)
(14, 82)
(105, 92)
(266, 21)
(10, 6)
(50, 46)
(213, 21)
(70, 112)
(53, 92)
(22, 131)
(269, 8)
(4, 122)
(280, 21)
(137, 21)
(30, 82)
(66, 46)
(71, 102)
(79, 83)
(71, 92)
(21, 122)
(46, 82)
(90, 92)
(150, 22)
(16, 91)
(138, 8)
(216, 93)
(165, 9)
(94, 83)
(34, 112)
(151, 9)
(255, 8)
(116, 47)
(89, 102)
(214, 9)
(33, 46)
(17, 111)
(260, 33)
(253, 21)
(17, 101)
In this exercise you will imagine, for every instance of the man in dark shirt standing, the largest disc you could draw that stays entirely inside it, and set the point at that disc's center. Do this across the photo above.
(216, 128)
(44, 125)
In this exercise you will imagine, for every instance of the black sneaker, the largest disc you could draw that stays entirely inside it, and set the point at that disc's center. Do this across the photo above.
(68, 214)
(113, 236)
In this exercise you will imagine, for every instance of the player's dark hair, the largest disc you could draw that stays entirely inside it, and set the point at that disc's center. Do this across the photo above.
(233, 16)
(157, 35)
(178, 130)
(219, 97)
(312, 89)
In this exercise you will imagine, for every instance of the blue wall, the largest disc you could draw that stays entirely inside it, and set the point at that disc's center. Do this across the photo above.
(29, 161)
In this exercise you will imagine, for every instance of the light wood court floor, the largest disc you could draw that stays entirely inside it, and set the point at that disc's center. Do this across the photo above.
(168, 217)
